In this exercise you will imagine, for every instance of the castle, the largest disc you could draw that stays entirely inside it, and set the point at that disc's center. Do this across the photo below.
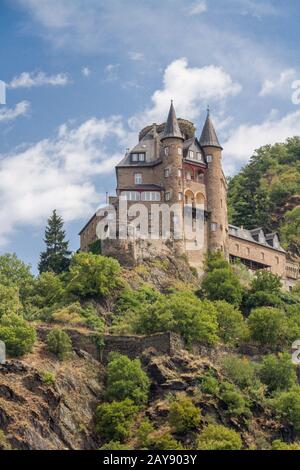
(171, 166)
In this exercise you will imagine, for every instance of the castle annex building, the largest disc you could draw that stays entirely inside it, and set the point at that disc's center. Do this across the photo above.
(171, 165)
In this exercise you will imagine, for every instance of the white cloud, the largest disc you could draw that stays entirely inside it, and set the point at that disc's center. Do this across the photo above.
(191, 88)
(257, 8)
(86, 72)
(58, 173)
(197, 8)
(279, 86)
(9, 114)
(249, 137)
(136, 56)
(112, 72)
(37, 79)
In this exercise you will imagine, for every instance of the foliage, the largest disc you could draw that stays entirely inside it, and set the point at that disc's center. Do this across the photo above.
(15, 273)
(114, 420)
(265, 281)
(182, 313)
(56, 257)
(209, 384)
(240, 371)
(92, 275)
(222, 284)
(131, 300)
(235, 401)
(17, 334)
(47, 290)
(9, 300)
(290, 230)
(279, 445)
(268, 326)
(163, 441)
(143, 434)
(261, 299)
(48, 378)
(126, 379)
(96, 247)
(288, 405)
(184, 415)
(232, 327)
(115, 445)
(59, 343)
(278, 372)
(217, 437)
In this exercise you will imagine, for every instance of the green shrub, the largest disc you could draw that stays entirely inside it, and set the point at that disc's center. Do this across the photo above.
(217, 437)
(278, 372)
(262, 299)
(47, 290)
(209, 384)
(182, 313)
(15, 273)
(288, 405)
(115, 445)
(240, 371)
(48, 378)
(126, 379)
(114, 420)
(143, 434)
(184, 415)
(163, 441)
(17, 334)
(59, 343)
(268, 326)
(223, 284)
(265, 281)
(92, 275)
(232, 327)
(132, 300)
(9, 300)
(279, 445)
(235, 401)
(216, 261)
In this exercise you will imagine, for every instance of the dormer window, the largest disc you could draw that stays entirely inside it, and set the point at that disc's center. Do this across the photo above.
(191, 154)
(138, 157)
(198, 156)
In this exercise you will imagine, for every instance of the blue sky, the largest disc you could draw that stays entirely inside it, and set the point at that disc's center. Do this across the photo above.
(83, 76)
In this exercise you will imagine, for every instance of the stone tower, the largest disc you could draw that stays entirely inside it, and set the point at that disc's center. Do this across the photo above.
(218, 237)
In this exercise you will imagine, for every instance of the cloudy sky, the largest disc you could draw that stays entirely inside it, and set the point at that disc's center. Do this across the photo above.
(83, 76)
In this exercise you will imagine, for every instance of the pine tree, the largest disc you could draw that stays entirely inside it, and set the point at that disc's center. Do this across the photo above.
(56, 257)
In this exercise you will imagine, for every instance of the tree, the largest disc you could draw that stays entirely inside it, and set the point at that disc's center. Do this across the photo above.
(15, 273)
(93, 275)
(59, 343)
(232, 326)
(48, 290)
(241, 371)
(278, 372)
(9, 300)
(290, 230)
(268, 326)
(264, 281)
(56, 258)
(126, 379)
(288, 405)
(217, 437)
(223, 284)
(184, 416)
(18, 336)
(114, 420)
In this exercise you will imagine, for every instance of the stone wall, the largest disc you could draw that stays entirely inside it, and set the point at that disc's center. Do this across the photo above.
(134, 346)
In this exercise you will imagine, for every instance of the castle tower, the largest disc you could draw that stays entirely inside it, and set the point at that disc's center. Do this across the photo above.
(218, 237)
(172, 158)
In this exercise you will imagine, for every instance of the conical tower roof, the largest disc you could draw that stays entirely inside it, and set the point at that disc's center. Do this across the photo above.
(209, 137)
(172, 128)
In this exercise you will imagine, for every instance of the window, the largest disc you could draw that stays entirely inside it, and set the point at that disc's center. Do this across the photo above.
(180, 197)
(135, 157)
(167, 172)
(200, 177)
(151, 196)
(277, 260)
(209, 158)
(138, 178)
(191, 154)
(248, 251)
(198, 156)
(179, 173)
(262, 255)
(237, 248)
(166, 151)
(138, 157)
(214, 227)
(168, 196)
(179, 150)
(131, 195)
(142, 157)
(188, 175)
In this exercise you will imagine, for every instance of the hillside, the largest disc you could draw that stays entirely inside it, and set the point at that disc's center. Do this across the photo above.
(226, 381)
(266, 193)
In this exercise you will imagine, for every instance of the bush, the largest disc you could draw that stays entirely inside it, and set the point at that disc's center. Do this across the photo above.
(163, 441)
(59, 343)
(126, 379)
(223, 284)
(15, 273)
(47, 290)
(278, 372)
(217, 437)
(216, 261)
(209, 385)
(115, 445)
(262, 299)
(268, 326)
(92, 275)
(184, 415)
(114, 420)
(48, 378)
(236, 403)
(143, 434)
(9, 300)
(182, 313)
(232, 327)
(264, 281)
(288, 405)
(240, 371)
(17, 335)
(279, 445)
